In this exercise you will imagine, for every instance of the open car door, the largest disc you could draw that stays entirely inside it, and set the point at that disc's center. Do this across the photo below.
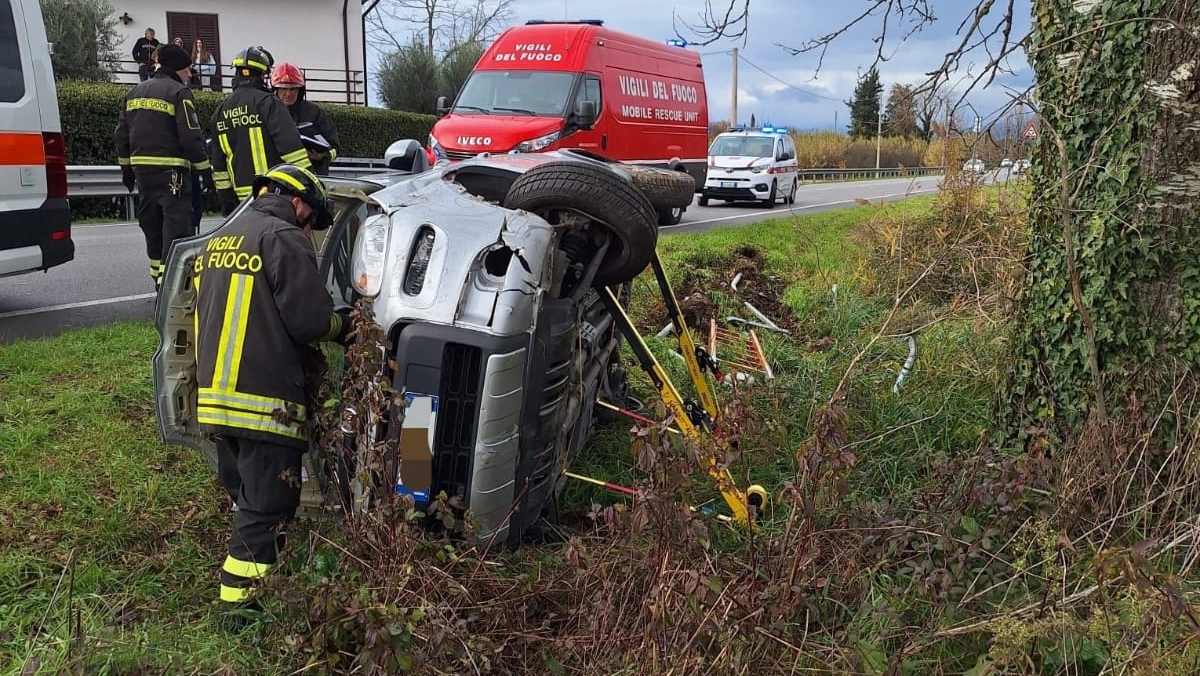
(175, 386)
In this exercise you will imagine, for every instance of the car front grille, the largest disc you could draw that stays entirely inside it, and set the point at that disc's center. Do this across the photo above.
(459, 154)
(458, 406)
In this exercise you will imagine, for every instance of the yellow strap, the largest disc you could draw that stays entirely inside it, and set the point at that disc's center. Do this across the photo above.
(258, 151)
(157, 105)
(203, 165)
(234, 594)
(251, 403)
(255, 422)
(246, 569)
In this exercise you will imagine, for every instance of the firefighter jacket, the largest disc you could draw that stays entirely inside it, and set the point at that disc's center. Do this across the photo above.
(308, 113)
(252, 132)
(158, 126)
(260, 302)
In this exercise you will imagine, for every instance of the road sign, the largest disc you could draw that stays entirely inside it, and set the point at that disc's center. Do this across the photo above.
(1030, 133)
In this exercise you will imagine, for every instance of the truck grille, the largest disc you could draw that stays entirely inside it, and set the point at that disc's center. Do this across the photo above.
(458, 408)
(459, 154)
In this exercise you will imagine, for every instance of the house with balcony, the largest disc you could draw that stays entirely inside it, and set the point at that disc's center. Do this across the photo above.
(325, 38)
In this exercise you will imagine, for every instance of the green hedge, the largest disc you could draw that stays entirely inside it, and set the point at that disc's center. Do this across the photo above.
(89, 116)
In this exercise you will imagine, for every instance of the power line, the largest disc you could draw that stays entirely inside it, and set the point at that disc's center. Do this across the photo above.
(785, 83)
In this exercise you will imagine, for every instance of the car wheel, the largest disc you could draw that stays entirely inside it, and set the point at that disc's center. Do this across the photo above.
(670, 215)
(769, 203)
(556, 190)
(702, 201)
(791, 198)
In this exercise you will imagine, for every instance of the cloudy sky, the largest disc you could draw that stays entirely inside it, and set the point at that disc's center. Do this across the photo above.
(789, 90)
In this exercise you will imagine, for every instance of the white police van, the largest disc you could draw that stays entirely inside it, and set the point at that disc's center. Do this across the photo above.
(35, 217)
(752, 165)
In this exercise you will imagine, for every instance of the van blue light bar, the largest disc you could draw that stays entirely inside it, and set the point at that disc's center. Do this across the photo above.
(774, 130)
(677, 42)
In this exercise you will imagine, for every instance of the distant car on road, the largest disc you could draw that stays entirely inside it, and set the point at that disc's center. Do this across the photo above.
(1020, 166)
(975, 165)
(1005, 163)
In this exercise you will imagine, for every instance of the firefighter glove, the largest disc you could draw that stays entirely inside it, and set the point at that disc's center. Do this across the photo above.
(206, 183)
(127, 177)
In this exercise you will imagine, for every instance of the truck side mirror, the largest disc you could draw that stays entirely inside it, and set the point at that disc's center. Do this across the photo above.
(442, 106)
(585, 114)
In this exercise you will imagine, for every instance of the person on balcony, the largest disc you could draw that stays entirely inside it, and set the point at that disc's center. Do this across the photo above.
(316, 128)
(143, 53)
(204, 66)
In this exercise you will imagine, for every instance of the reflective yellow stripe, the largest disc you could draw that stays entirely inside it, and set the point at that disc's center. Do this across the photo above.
(247, 569)
(152, 161)
(189, 111)
(221, 180)
(281, 176)
(247, 421)
(233, 333)
(249, 402)
(332, 154)
(242, 192)
(157, 105)
(258, 151)
(298, 158)
(248, 62)
(122, 161)
(234, 594)
(223, 139)
(204, 165)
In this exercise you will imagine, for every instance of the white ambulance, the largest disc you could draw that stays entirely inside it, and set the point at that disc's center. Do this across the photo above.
(752, 165)
(35, 217)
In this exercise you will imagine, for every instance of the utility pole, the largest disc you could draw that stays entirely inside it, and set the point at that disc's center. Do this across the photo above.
(879, 134)
(835, 113)
(733, 108)
(946, 133)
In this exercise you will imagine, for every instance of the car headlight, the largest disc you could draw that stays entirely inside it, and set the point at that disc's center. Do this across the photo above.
(756, 170)
(539, 143)
(370, 254)
(435, 146)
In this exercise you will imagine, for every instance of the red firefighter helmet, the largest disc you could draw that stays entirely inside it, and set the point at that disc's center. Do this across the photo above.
(287, 76)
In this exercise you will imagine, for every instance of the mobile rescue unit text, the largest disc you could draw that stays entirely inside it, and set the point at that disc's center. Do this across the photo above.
(657, 90)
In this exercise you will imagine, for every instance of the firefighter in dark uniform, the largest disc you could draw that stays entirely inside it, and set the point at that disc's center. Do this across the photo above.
(261, 304)
(287, 80)
(252, 131)
(159, 145)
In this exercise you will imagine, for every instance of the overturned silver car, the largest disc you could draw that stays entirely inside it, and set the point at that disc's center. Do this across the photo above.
(483, 276)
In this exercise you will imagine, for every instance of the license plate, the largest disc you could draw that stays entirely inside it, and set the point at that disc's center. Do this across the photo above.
(728, 184)
(416, 447)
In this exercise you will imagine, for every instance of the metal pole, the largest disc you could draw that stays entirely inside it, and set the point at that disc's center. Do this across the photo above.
(733, 107)
(879, 135)
(946, 133)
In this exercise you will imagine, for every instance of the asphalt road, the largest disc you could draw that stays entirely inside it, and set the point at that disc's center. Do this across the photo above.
(108, 281)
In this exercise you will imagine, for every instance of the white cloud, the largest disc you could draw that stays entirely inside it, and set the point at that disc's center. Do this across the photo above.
(790, 89)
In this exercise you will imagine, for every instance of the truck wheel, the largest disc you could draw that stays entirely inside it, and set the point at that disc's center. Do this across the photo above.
(666, 188)
(558, 189)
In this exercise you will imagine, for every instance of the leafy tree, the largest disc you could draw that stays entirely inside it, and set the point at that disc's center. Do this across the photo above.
(408, 78)
(900, 117)
(864, 107)
(456, 67)
(84, 36)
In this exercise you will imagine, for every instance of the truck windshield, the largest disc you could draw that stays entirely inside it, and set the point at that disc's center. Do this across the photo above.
(746, 146)
(516, 92)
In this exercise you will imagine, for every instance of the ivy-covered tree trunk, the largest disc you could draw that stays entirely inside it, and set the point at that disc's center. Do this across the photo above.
(1108, 324)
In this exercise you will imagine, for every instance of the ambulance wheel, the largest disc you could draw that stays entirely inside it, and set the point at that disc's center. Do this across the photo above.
(702, 201)
(670, 215)
(791, 198)
(769, 203)
(557, 190)
(666, 188)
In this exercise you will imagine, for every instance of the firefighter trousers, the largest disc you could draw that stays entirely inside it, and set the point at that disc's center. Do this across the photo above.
(164, 212)
(264, 479)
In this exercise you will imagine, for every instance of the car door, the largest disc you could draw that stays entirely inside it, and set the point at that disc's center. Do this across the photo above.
(175, 387)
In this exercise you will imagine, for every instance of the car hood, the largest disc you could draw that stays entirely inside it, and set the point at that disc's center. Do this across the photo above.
(737, 162)
(491, 133)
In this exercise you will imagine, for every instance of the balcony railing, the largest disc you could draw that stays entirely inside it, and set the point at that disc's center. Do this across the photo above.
(323, 84)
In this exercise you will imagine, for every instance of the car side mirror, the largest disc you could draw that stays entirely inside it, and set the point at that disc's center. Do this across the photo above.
(442, 107)
(406, 155)
(784, 156)
(585, 114)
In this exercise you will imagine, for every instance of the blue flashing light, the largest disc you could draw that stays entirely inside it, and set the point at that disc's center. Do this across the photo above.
(768, 130)
(774, 130)
(677, 42)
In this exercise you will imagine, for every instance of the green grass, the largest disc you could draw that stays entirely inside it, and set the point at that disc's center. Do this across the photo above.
(111, 538)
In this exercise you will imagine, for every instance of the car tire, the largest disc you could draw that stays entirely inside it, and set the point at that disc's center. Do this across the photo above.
(666, 188)
(769, 203)
(613, 202)
(791, 198)
(670, 215)
(702, 201)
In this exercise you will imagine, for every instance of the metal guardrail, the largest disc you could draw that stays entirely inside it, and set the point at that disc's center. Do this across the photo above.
(105, 181)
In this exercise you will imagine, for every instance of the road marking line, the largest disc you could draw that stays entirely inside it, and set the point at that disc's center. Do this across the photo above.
(797, 208)
(71, 306)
